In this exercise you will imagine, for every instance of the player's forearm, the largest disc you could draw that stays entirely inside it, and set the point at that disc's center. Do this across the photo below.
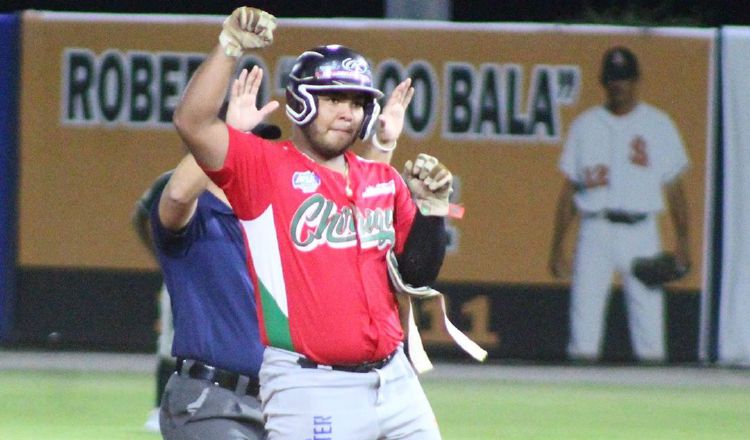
(196, 116)
(179, 198)
(679, 213)
(188, 181)
(205, 92)
(679, 220)
(564, 215)
(424, 251)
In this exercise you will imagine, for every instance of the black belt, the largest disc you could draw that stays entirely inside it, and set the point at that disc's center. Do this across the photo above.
(364, 367)
(624, 217)
(222, 378)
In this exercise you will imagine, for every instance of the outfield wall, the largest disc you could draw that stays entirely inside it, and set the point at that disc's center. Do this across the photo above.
(494, 102)
(98, 95)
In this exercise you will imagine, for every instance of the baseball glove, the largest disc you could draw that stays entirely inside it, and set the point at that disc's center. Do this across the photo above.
(657, 270)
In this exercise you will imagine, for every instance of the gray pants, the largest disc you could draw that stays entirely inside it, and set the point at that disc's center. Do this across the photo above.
(320, 403)
(193, 409)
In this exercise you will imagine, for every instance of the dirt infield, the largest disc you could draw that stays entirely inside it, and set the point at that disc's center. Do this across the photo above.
(617, 375)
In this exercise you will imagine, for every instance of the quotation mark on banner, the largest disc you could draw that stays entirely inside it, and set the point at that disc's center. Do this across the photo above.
(568, 84)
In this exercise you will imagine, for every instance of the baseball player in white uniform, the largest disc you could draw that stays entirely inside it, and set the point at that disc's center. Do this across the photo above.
(617, 160)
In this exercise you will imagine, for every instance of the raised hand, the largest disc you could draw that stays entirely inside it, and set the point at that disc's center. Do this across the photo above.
(246, 28)
(243, 113)
(391, 120)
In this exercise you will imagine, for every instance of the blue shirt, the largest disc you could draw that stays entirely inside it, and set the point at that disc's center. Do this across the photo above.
(213, 305)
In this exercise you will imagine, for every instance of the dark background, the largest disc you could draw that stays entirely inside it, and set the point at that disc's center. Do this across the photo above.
(629, 12)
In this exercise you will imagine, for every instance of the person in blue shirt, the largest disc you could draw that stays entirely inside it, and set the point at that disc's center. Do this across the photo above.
(140, 219)
(201, 251)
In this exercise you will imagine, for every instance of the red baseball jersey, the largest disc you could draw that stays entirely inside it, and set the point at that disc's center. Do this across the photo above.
(317, 241)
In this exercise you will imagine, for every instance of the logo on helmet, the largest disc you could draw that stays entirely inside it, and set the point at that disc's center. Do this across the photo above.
(337, 76)
(356, 65)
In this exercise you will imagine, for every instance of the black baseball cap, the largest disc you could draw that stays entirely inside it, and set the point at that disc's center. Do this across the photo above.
(619, 63)
(267, 131)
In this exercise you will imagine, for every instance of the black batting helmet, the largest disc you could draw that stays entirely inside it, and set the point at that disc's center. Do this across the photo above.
(619, 63)
(329, 69)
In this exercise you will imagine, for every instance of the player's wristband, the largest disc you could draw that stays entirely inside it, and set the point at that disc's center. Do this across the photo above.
(384, 148)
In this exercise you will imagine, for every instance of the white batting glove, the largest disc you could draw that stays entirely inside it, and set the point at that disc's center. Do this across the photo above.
(247, 28)
(430, 183)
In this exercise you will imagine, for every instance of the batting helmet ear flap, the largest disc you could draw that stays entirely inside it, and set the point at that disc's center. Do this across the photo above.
(372, 111)
(301, 107)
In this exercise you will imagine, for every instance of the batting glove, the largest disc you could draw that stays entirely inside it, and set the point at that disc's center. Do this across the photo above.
(247, 28)
(430, 183)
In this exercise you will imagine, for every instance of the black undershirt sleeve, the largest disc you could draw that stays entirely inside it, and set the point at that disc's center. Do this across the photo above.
(424, 251)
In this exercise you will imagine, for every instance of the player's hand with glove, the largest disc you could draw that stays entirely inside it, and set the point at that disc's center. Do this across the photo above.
(430, 183)
(391, 119)
(243, 112)
(660, 269)
(247, 28)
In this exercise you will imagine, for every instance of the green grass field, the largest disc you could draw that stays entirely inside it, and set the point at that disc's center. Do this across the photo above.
(88, 406)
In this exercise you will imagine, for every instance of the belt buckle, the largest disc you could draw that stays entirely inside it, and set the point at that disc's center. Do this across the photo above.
(364, 367)
(236, 382)
(212, 374)
(367, 367)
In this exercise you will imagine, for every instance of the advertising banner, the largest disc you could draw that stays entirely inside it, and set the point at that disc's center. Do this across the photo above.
(494, 102)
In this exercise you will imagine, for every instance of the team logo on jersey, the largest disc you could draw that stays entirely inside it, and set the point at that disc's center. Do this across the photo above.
(318, 221)
(638, 152)
(380, 189)
(305, 181)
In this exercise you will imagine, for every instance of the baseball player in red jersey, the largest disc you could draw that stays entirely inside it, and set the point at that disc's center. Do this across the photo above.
(318, 222)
